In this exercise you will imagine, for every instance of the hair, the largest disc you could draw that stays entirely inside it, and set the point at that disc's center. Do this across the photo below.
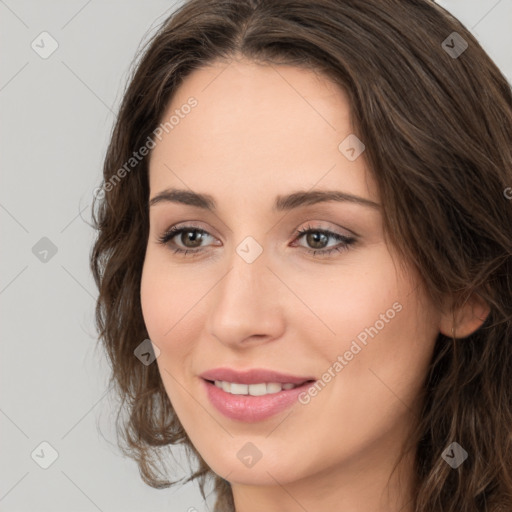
(438, 137)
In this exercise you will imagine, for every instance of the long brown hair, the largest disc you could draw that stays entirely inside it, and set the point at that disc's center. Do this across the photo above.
(437, 127)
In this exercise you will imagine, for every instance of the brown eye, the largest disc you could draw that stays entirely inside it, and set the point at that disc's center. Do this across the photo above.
(185, 239)
(193, 239)
(317, 240)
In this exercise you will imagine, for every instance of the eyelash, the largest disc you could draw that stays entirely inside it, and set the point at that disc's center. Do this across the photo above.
(344, 240)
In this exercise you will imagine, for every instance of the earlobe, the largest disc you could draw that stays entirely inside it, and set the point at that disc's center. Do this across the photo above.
(466, 319)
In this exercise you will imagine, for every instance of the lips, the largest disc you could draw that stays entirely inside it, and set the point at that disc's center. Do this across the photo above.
(253, 376)
(246, 407)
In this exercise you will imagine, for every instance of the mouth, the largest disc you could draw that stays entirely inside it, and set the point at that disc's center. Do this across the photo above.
(253, 395)
(258, 389)
(253, 376)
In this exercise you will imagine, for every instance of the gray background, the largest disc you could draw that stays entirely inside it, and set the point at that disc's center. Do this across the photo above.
(56, 118)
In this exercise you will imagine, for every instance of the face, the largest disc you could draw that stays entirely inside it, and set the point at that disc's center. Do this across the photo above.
(318, 337)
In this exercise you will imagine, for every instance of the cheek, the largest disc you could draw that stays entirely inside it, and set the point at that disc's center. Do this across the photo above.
(158, 302)
(386, 338)
(153, 296)
(162, 294)
(384, 330)
(353, 297)
(165, 316)
(376, 385)
(171, 307)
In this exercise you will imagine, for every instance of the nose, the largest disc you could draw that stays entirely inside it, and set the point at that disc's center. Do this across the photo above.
(246, 307)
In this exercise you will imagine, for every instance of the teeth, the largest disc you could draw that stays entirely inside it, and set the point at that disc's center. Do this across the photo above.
(274, 387)
(255, 389)
(260, 389)
(238, 389)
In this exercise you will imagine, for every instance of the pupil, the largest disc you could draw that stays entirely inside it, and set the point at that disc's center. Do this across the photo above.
(192, 236)
(313, 239)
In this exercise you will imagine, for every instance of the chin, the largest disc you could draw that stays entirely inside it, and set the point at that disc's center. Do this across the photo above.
(264, 471)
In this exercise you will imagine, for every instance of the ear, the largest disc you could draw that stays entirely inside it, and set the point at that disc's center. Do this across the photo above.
(466, 319)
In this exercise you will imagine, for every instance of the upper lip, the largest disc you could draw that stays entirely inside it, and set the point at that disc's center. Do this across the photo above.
(252, 376)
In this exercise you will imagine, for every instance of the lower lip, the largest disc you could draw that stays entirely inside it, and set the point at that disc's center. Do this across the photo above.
(250, 408)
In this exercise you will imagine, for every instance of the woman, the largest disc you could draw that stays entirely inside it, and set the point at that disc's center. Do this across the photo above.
(305, 220)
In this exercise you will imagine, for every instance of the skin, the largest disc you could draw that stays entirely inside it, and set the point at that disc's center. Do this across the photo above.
(257, 132)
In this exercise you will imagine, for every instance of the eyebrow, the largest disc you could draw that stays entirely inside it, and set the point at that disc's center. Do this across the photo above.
(282, 203)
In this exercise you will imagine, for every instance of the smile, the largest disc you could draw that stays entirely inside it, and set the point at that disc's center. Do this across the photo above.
(260, 389)
(250, 407)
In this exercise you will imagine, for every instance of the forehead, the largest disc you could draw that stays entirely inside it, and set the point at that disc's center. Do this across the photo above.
(255, 125)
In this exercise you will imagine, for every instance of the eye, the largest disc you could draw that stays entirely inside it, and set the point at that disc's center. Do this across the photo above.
(192, 240)
(194, 236)
(318, 238)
